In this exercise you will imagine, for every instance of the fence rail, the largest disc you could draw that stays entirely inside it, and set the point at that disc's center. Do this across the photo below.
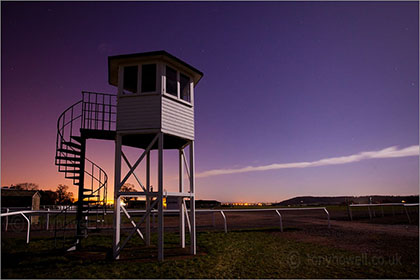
(222, 212)
(372, 205)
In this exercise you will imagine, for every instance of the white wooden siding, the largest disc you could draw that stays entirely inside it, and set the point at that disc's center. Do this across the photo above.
(177, 118)
(138, 112)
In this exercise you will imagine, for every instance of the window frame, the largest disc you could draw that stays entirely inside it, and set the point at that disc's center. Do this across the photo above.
(188, 85)
(139, 78)
(123, 80)
(177, 81)
(178, 77)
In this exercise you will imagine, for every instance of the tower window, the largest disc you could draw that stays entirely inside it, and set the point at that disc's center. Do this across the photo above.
(171, 81)
(148, 78)
(185, 87)
(130, 78)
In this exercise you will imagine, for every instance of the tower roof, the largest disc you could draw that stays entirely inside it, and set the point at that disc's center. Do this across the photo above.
(116, 60)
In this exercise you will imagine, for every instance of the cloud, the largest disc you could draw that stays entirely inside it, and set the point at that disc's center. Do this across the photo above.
(390, 152)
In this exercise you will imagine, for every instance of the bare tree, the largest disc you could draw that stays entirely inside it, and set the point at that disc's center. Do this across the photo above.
(26, 186)
(64, 197)
(127, 187)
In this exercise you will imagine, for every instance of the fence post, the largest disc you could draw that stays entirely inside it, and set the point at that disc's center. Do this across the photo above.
(370, 213)
(328, 216)
(29, 227)
(224, 218)
(48, 219)
(349, 212)
(7, 220)
(281, 220)
(408, 216)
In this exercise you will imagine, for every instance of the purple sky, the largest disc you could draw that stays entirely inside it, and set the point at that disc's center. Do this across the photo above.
(283, 83)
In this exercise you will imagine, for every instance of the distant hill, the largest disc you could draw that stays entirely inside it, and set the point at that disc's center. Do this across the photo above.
(337, 200)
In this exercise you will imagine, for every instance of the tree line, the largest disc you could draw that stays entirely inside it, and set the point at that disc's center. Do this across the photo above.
(61, 196)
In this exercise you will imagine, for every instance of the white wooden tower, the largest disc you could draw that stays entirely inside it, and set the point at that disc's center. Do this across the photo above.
(155, 111)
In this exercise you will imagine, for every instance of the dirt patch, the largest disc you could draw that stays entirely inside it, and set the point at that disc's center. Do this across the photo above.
(372, 239)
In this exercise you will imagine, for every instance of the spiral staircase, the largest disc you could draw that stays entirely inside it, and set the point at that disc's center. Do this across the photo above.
(92, 117)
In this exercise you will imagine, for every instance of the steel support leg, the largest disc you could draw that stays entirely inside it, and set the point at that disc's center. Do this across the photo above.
(148, 199)
(181, 200)
(160, 198)
(117, 199)
(192, 200)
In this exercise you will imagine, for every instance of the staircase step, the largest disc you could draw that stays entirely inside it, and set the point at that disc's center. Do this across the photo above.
(69, 158)
(70, 172)
(70, 164)
(91, 204)
(70, 151)
(96, 206)
(72, 144)
(77, 138)
(78, 171)
(86, 203)
(73, 177)
(90, 195)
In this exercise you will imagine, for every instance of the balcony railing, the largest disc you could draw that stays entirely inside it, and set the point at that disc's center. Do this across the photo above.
(99, 111)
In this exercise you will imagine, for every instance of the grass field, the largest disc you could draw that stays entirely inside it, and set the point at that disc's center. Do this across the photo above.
(385, 247)
(256, 253)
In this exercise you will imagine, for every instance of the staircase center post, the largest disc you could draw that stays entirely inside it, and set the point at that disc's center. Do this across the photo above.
(79, 216)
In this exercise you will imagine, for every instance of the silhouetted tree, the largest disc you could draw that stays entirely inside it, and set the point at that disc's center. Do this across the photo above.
(26, 186)
(127, 187)
(64, 197)
(48, 197)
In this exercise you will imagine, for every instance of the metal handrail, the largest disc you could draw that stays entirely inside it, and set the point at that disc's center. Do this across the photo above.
(74, 112)
(95, 116)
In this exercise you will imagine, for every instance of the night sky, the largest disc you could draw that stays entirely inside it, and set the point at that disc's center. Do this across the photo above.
(286, 84)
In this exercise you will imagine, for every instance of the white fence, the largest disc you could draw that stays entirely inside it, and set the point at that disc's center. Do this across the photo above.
(222, 212)
(382, 205)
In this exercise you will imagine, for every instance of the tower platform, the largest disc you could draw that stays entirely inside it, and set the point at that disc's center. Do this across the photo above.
(141, 139)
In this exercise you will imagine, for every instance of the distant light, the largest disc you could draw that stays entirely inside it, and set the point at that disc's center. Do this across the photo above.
(403, 201)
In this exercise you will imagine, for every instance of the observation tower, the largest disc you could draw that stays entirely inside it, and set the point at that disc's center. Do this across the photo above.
(152, 110)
